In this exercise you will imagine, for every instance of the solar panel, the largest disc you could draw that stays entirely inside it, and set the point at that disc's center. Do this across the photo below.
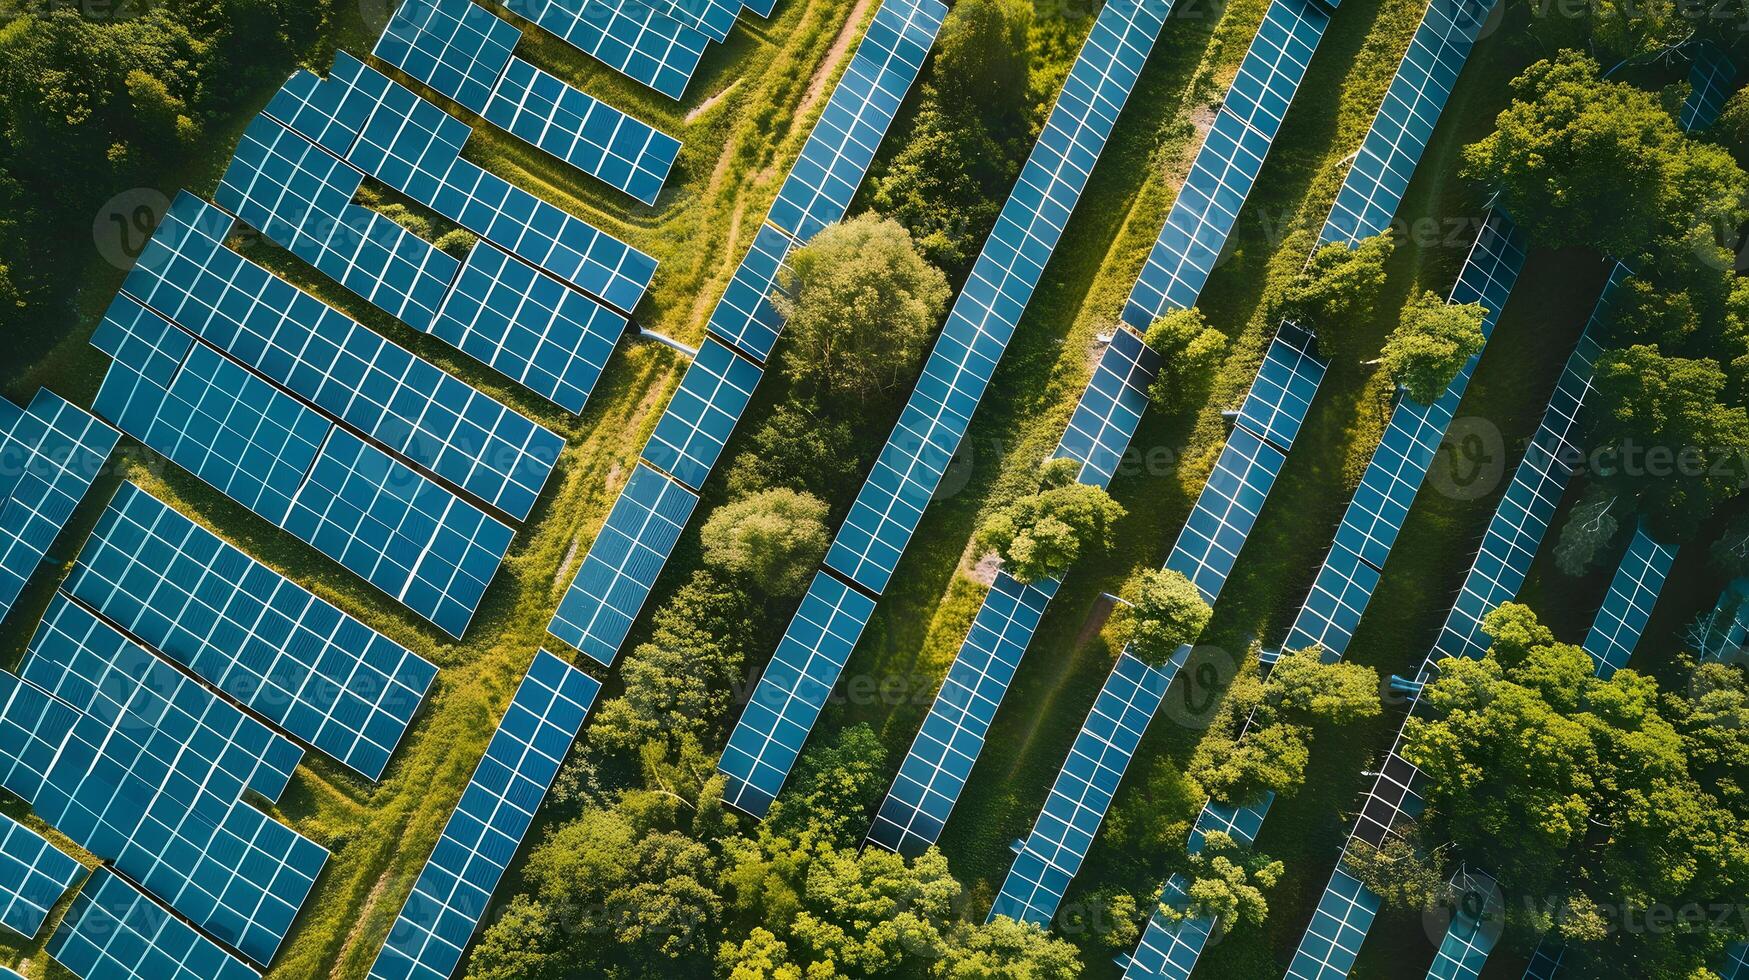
(113, 930)
(92, 666)
(1046, 861)
(1282, 392)
(1736, 964)
(53, 451)
(622, 564)
(317, 673)
(1545, 961)
(940, 760)
(300, 197)
(819, 187)
(1728, 625)
(1473, 930)
(631, 38)
(783, 707)
(457, 47)
(1628, 605)
(489, 823)
(715, 18)
(989, 306)
(1225, 511)
(1110, 408)
(1405, 122)
(744, 316)
(1339, 925)
(1332, 610)
(34, 875)
(33, 725)
(425, 547)
(1169, 949)
(692, 431)
(336, 364)
(529, 327)
(581, 130)
(330, 111)
(1190, 242)
(1711, 78)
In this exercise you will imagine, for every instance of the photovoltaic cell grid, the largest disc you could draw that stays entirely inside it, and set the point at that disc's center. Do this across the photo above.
(631, 38)
(1545, 961)
(1332, 610)
(1225, 511)
(617, 574)
(488, 824)
(1169, 950)
(581, 130)
(1628, 605)
(1413, 436)
(1710, 80)
(1190, 242)
(114, 931)
(1283, 390)
(1339, 925)
(338, 365)
(300, 197)
(693, 429)
(715, 18)
(744, 316)
(320, 675)
(1051, 854)
(528, 326)
(989, 306)
(54, 450)
(330, 111)
(1728, 625)
(832, 163)
(1473, 930)
(1405, 122)
(457, 47)
(1736, 964)
(33, 877)
(790, 694)
(1110, 408)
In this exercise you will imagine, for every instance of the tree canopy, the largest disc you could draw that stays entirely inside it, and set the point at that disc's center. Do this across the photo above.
(1162, 611)
(982, 60)
(1590, 527)
(1431, 344)
(1337, 289)
(1041, 534)
(771, 539)
(1190, 353)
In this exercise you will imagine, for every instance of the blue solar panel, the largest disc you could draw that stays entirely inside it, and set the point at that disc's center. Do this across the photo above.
(320, 675)
(489, 823)
(989, 306)
(1736, 962)
(1545, 961)
(1231, 157)
(795, 686)
(300, 197)
(1473, 930)
(1339, 925)
(457, 47)
(1046, 861)
(113, 931)
(1711, 79)
(583, 131)
(529, 327)
(1399, 134)
(1332, 611)
(1628, 605)
(712, 395)
(1225, 510)
(427, 548)
(1110, 409)
(51, 453)
(1169, 949)
(1282, 392)
(339, 366)
(715, 18)
(744, 316)
(616, 576)
(941, 758)
(33, 877)
(631, 38)
(330, 111)
(833, 161)
(1728, 625)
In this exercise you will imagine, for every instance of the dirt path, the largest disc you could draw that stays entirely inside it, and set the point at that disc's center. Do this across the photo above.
(711, 103)
(840, 47)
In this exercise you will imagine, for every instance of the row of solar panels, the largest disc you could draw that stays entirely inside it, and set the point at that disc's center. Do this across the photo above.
(620, 568)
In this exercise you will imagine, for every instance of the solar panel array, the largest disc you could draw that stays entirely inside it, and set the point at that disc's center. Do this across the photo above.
(1339, 925)
(598, 607)
(941, 757)
(1475, 925)
(1711, 80)
(457, 47)
(1545, 960)
(1727, 628)
(1225, 512)
(631, 38)
(983, 318)
(49, 454)
(1736, 962)
(489, 823)
(113, 930)
(406, 535)
(34, 874)
(1169, 949)
(1627, 608)
(317, 673)
(713, 17)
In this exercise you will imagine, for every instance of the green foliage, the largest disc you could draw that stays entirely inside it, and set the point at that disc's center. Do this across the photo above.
(1589, 529)
(1040, 535)
(771, 540)
(1190, 355)
(1226, 885)
(1431, 344)
(1161, 612)
(983, 61)
(1270, 758)
(1404, 872)
(1305, 685)
(860, 303)
(946, 184)
(1641, 313)
(1337, 289)
(797, 447)
(457, 242)
(1730, 552)
(1731, 130)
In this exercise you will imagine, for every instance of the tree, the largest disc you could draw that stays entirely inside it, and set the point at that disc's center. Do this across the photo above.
(1162, 611)
(1003, 949)
(1226, 885)
(1304, 684)
(1590, 527)
(1431, 344)
(772, 540)
(1190, 353)
(983, 58)
(947, 182)
(798, 447)
(1040, 535)
(860, 303)
(1270, 758)
(1642, 313)
(1730, 131)
(1337, 289)
(1402, 872)
(524, 943)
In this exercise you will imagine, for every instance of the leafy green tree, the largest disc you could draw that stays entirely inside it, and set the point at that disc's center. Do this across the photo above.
(798, 447)
(526, 942)
(1589, 529)
(983, 59)
(1731, 130)
(771, 539)
(1270, 758)
(947, 183)
(1226, 885)
(1337, 289)
(1403, 872)
(1190, 353)
(1304, 684)
(1431, 344)
(1642, 313)
(1162, 611)
(860, 304)
(1040, 535)
(1004, 949)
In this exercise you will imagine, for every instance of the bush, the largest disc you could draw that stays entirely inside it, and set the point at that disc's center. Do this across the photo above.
(1040, 535)
(1162, 612)
(1337, 289)
(798, 447)
(1190, 354)
(772, 540)
(1432, 342)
